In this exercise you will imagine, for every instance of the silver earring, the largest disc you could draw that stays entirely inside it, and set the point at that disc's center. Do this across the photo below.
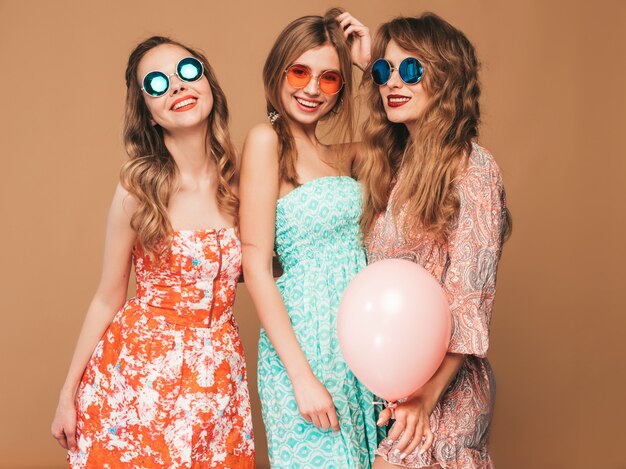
(273, 117)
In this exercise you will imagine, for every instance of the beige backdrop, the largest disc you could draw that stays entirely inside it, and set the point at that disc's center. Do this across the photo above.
(554, 116)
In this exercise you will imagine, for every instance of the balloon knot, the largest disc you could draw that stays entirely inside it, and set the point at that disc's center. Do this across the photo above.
(388, 405)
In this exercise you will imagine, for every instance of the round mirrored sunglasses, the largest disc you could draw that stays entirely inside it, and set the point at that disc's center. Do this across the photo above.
(156, 83)
(410, 70)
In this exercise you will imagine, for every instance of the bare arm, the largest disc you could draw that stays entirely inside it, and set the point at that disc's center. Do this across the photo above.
(259, 189)
(361, 53)
(361, 45)
(432, 391)
(258, 193)
(109, 298)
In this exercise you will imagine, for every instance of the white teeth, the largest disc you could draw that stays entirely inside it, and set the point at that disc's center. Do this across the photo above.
(306, 103)
(398, 100)
(184, 103)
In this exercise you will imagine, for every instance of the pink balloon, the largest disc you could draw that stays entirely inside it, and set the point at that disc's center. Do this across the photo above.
(394, 327)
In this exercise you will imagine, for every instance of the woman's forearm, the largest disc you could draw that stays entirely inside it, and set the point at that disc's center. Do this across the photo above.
(432, 391)
(275, 320)
(97, 320)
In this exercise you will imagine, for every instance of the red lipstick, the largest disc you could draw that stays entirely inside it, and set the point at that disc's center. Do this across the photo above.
(399, 100)
(187, 106)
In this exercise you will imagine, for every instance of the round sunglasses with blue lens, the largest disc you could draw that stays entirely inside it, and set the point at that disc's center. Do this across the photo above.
(410, 70)
(156, 83)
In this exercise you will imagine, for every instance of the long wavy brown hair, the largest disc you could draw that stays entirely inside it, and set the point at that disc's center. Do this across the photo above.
(150, 174)
(442, 140)
(300, 35)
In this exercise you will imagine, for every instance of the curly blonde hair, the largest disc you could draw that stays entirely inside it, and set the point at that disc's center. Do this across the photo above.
(442, 140)
(150, 174)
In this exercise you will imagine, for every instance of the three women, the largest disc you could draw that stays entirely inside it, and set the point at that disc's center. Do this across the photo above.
(431, 195)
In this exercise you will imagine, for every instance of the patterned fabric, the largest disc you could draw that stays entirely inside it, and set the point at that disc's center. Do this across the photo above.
(166, 386)
(319, 247)
(466, 268)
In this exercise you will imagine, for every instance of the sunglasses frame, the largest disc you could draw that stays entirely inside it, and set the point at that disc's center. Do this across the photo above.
(315, 76)
(392, 69)
(168, 77)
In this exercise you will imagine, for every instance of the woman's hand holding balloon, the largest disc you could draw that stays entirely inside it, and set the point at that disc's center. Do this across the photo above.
(411, 428)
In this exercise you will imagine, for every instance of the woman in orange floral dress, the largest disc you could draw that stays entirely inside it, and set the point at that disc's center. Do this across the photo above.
(435, 197)
(160, 380)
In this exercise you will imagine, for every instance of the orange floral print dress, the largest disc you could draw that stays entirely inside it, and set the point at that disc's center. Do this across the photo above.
(466, 267)
(166, 386)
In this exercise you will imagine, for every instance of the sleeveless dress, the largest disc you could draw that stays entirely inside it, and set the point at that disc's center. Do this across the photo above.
(166, 386)
(320, 249)
(466, 268)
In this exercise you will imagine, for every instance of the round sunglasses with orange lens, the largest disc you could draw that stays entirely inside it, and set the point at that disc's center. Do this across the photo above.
(329, 81)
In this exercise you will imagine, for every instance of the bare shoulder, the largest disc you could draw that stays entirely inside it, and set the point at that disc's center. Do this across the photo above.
(259, 166)
(260, 154)
(120, 234)
(262, 134)
(124, 200)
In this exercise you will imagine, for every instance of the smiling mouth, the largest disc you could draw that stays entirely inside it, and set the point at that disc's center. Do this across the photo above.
(184, 105)
(397, 101)
(307, 105)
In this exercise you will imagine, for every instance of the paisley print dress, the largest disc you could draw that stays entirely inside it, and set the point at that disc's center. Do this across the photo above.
(466, 267)
(166, 386)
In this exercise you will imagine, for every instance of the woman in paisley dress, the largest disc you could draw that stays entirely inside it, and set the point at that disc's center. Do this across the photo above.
(160, 380)
(298, 198)
(434, 196)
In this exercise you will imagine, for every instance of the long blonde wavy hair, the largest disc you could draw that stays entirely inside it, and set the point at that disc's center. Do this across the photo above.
(300, 35)
(150, 174)
(442, 140)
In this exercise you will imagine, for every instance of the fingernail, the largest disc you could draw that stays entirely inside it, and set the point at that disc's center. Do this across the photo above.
(379, 422)
(403, 455)
(422, 451)
(395, 452)
(389, 441)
